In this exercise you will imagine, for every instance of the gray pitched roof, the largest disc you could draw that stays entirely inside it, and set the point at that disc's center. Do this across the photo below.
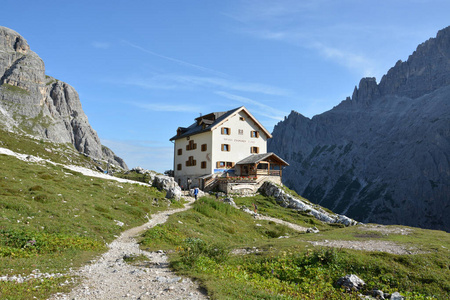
(209, 122)
(197, 126)
(255, 158)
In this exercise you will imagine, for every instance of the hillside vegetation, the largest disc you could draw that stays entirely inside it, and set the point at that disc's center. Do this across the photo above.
(238, 257)
(53, 219)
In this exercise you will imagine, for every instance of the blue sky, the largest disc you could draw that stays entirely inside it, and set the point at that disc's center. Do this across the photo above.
(143, 68)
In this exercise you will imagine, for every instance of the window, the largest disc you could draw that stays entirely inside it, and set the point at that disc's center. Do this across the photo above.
(242, 118)
(225, 130)
(204, 147)
(180, 151)
(179, 167)
(191, 145)
(191, 162)
(225, 164)
(254, 134)
(240, 131)
(203, 164)
(226, 147)
(254, 149)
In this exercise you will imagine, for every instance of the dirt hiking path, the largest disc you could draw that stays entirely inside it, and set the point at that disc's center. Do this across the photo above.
(110, 277)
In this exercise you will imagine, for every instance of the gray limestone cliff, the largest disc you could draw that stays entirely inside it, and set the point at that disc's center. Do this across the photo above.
(42, 105)
(382, 155)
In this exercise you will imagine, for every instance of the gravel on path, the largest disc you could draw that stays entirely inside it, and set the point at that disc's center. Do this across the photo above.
(110, 277)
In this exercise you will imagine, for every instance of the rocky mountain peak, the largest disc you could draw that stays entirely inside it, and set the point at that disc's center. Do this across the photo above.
(426, 70)
(41, 105)
(12, 41)
(367, 91)
(381, 156)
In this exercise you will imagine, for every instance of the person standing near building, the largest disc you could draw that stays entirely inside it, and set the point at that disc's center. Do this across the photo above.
(195, 193)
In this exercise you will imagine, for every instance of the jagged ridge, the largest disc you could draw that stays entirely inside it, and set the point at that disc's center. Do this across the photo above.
(382, 155)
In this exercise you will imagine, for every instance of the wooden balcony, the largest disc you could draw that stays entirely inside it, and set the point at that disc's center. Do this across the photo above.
(268, 172)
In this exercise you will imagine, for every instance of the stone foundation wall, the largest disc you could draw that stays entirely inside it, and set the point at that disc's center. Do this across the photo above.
(246, 188)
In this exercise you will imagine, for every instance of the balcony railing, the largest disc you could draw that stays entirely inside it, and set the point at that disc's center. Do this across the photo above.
(238, 179)
(268, 172)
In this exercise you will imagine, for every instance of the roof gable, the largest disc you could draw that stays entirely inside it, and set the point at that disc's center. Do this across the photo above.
(256, 158)
(238, 110)
(213, 120)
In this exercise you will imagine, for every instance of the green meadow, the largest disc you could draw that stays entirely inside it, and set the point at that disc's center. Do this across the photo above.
(53, 220)
(201, 242)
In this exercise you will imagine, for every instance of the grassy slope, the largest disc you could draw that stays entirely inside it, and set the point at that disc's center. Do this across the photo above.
(52, 218)
(290, 268)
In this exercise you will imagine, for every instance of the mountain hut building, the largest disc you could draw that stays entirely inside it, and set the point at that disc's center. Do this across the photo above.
(225, 151)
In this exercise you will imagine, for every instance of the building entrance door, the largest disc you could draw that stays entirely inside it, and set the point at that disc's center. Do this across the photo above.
(245, 170)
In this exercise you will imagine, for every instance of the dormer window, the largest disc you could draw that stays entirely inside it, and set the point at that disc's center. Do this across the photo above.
(181, 130)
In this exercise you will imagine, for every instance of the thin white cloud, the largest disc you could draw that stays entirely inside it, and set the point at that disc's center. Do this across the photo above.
(173, 81)
(177, 61)
(262, 109)
(348, 59)
(344, 56)
(313, 25)
(100, 45)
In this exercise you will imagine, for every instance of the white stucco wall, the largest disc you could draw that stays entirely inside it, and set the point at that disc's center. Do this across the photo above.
(240, 148)
(198, 154)
(240, 143)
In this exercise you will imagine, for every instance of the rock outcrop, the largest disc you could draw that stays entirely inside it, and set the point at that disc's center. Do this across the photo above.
(42, 105)
(168, 184)
(285, 200)
(382, 155)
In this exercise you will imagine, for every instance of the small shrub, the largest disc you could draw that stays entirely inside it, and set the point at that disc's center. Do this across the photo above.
(161, 234)
(277, 231)
(21, 243)
(209, 206)
(134, 259)
(35, 188)
(194, 248)
(46, 176)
